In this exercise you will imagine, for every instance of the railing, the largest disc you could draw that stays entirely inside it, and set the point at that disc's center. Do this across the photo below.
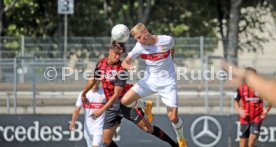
(26, 78)
(11, 47)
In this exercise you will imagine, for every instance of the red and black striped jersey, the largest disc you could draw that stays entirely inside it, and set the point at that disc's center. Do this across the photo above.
(111, 75)
(250, 103)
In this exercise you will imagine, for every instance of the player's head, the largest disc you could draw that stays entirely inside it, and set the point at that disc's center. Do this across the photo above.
(141, 34)
(115, 51)
(250, 69)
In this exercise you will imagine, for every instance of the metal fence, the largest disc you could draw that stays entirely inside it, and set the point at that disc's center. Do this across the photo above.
(33, 73)
(91, 47)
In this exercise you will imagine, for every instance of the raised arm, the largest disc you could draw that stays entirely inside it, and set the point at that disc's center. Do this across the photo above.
(126, 64)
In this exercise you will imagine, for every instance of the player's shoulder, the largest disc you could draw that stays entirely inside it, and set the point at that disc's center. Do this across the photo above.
(165, 38)
(101, 60)
(138, 45)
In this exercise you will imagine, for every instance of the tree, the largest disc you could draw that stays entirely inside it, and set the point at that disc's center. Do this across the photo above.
(233, 24)
(231, 48)
(3, 10)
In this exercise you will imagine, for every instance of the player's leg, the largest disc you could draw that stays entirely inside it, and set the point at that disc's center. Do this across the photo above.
(111, 121)
(254, 134)
(169, 97)
(136, 115)
(243, 142)
(252, 140)
(87, 136)
(244, 130)
(140, 89)
(177, 125)
(97, 140)
(131, 98)
(108, 135)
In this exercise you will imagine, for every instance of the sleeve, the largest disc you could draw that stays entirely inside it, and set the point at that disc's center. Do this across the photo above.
(79, 102)
(121, 79)
(237, 95)
(171, 43)
(136, 51)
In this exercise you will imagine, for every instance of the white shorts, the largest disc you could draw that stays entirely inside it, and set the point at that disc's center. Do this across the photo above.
(166, 89)
(93, 139)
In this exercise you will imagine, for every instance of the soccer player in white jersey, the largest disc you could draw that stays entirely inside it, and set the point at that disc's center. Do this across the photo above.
(93, 128)
(158, 53)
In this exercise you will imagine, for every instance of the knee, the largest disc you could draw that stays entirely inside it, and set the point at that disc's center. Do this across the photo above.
(173, 119)
(148, 129)
(106, 142)
(123, 101)
(251, 144)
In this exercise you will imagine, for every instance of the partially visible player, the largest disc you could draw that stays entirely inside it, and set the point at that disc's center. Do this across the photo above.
(114, 77)
(158, 52)
(250, 108)
(265, 87)
(93, 128)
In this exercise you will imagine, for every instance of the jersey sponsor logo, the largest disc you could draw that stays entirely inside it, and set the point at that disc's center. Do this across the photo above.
(252, 99)
(155, 56)
(93, 105)
(110, 75)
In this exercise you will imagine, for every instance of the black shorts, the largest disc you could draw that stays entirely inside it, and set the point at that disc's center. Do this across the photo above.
(247, 129)
(117, 111)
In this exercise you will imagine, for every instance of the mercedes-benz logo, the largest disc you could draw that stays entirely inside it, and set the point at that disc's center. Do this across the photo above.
(213, 133)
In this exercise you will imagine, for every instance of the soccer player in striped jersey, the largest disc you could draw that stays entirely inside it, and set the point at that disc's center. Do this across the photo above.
(250, 108)
(113, 77)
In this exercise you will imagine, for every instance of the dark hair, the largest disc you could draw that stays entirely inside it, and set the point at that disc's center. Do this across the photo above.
(118, 47)
(251, 69)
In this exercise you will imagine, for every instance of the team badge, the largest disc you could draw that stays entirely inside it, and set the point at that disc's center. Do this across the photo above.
(163, 48)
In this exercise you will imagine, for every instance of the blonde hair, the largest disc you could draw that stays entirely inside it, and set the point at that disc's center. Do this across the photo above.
(138, 28)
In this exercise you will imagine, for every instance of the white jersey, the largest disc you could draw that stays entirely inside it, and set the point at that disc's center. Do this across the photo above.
(157, 57)
(96, 101)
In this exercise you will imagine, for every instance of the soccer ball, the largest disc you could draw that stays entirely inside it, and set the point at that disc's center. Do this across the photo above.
(120, 33)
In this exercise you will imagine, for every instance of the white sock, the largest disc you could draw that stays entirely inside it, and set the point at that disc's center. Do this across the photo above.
(178, 128)
(138, 104)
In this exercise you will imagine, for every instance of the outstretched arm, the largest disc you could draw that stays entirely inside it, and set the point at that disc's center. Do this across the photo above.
(266, 88)
(126, 64)
(117, 92)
